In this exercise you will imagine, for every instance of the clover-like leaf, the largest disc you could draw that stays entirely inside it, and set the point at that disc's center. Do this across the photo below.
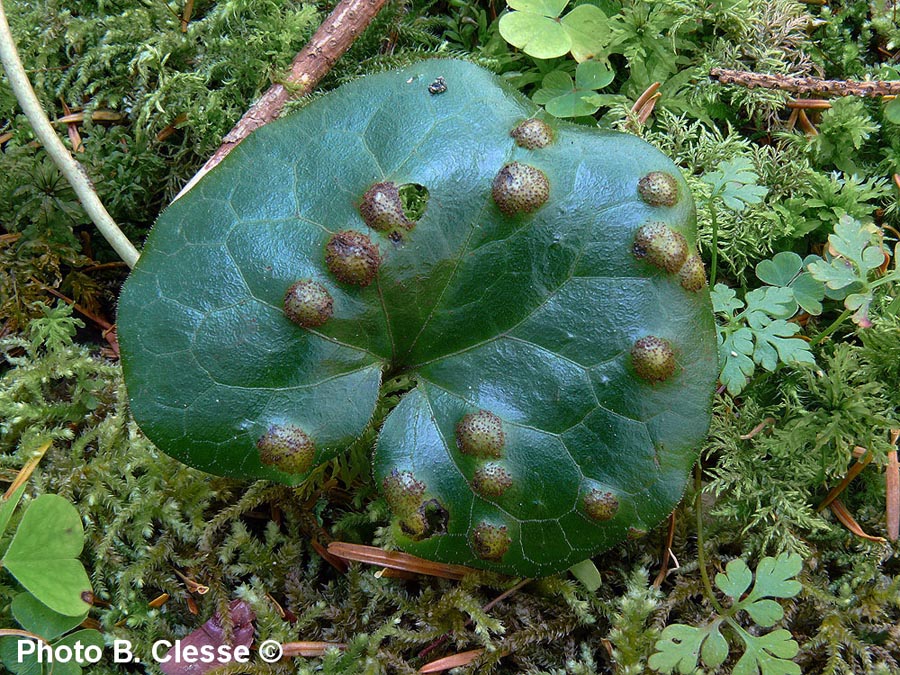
(561, 364)
(561, 97)
(785, 269)
(35, 617)
(534, 27)
(43, 555)
(90, 641)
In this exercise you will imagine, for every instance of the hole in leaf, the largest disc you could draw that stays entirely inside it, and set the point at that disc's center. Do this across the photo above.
(414, 199)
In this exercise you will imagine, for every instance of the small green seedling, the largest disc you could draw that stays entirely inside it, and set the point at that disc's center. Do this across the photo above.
(848, 269)
(754, 331)
(681, 647)
(559, 353)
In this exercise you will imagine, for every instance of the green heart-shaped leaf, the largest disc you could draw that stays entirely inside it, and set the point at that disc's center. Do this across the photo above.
(546, 304)
(536, 29)
(35, 617)
(43, 555)
(561, 97)
(29, 664)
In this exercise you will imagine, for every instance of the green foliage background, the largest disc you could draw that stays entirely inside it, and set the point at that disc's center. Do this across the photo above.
(147, 517)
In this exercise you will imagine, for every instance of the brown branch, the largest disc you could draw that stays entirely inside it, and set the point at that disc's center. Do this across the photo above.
(345, 23)
(805, 85)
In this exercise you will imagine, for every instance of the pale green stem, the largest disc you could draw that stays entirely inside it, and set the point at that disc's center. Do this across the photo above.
(833, 327)
(71, 169)
(701, 554)
(715, 244)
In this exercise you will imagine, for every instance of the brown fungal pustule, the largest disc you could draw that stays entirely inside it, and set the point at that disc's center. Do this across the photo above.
(480, 434)
(653, 359)
(693, 274)
(418, 517)
(308, 303)
(382, 209)
(660, 245)
(520, 188)
(636, 533)
(352, 258)
(490, 542)
(600, 505)
(491, 480)
(532, 134)
(659, 188)
(287, 448)
(402, 492)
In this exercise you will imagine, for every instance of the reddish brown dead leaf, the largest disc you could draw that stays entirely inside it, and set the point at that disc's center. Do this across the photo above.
(332, 560)
(848, 521)
(805, 124)
(892, 489)
(96, 116)
(452, 661)
(649, 93)
(397, 560)
(212, 634)
(853, 472)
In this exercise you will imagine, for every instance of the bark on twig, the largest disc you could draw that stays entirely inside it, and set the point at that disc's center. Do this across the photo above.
(805, 85)
(345, 23)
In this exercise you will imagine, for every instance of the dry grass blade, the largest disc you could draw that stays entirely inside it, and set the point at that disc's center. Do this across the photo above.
(310, 649)
(452, 661)
(854, 471)
(848, 521)
(158, 601)
(25, 471)
(397, 561)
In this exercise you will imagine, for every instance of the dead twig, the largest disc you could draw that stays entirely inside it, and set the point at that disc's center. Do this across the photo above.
(805, 85)
(330, 41)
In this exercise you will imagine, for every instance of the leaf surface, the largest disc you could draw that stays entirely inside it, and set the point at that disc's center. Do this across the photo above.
(43, 555)
(528, 318)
